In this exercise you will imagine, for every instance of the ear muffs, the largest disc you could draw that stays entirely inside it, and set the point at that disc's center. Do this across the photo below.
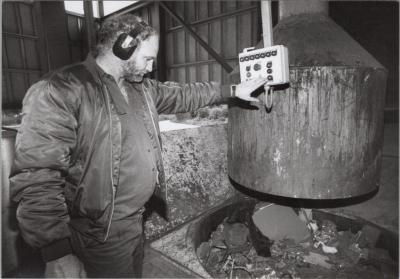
(126, 43)
(124, 46)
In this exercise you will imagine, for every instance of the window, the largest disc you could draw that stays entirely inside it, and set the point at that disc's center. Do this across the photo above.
(76, 7)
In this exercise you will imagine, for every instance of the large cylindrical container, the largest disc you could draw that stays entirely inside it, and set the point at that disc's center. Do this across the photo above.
(323, 137)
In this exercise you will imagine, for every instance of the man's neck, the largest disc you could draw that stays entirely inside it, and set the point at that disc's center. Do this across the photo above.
(111, 66)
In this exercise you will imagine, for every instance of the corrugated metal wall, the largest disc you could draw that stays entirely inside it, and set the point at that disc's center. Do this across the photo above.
(227, 26)
(24, 58)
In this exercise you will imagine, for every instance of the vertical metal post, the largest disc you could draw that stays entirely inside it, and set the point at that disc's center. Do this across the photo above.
(266, 17)
(89, 21)
(101, 8)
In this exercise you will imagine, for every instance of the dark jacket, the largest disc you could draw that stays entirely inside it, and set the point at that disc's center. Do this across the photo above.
(66, 165)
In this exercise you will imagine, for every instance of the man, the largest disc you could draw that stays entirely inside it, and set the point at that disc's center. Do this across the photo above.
(88, 153)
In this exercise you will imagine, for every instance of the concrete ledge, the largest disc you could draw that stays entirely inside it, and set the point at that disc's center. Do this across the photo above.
(195, 162)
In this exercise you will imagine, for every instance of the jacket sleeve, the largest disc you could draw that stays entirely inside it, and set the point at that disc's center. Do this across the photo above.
(173, 97)
(42, 155)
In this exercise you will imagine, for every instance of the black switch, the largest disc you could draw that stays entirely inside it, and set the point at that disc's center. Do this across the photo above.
(270, 78)
(257, 67)
(269, 64)
(269, 71)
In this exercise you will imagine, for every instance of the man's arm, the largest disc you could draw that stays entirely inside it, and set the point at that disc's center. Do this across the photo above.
(42, 156)
(173, 97)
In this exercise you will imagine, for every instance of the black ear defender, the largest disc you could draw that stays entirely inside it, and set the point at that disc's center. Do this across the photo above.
(126, 43)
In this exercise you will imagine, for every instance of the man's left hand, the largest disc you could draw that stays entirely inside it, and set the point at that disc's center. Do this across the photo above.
(245, 88)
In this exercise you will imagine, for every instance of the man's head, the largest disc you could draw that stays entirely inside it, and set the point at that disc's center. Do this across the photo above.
(145, 43)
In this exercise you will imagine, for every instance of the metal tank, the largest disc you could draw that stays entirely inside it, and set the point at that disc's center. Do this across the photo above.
(323, 137)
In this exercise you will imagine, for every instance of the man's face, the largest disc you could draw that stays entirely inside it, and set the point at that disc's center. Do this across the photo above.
(141, 61)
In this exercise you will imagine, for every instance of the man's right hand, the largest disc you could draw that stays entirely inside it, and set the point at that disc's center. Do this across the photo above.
(68, 266)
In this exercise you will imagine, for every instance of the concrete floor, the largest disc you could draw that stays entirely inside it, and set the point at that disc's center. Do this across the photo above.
(383, 208)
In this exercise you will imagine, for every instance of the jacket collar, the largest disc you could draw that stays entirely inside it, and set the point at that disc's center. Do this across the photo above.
(94, 68)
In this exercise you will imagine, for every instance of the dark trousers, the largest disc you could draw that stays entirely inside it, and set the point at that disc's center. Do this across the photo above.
(121, 256)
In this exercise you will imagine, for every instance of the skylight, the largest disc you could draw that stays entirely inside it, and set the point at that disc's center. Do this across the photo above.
(109, 6)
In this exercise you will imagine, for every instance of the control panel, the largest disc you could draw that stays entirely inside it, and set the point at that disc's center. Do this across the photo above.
(270, 62)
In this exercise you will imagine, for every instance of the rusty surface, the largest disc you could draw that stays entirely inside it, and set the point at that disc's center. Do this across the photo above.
(196, 174)
(322, 140)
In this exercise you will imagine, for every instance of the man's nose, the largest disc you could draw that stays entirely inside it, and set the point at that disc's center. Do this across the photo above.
(149, 67)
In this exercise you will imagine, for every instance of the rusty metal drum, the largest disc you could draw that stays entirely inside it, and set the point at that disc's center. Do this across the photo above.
(323, 137)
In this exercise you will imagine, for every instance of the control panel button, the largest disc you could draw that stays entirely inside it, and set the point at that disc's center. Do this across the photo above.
(241, 59)
(269, 64)
(257, 67)
(262, 55)
(269, 71)
(268, 54)
(270, 78)
(248, 68)
(257, 56)
(248, 74)
(246, 58)
(274, 53)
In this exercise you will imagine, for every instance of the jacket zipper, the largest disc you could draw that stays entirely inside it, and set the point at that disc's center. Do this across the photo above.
(151, 116)
(157, 135)
(111, 170)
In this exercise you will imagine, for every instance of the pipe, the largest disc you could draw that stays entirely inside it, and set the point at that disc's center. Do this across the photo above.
(266, 17)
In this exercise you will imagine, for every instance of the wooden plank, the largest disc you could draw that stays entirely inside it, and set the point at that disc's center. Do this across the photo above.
(26, 71)
(203, 44)
(191, 49)
(180, 47)
(22, 42)
(203, 33)
(204, 73)
(89, 22)
(192, 77)
(27, 24)
(170, 49)
(13, 52)
(216, 72)
(202, 10)
(229, 6)
(244, 32)
(19, 87)
(42, 41)
(216, 17)
(9, 21)
(200, 62)
(19, 36)
(190, 11)
(181, 74)
(229, 37)
(34, 77)
(31, 51)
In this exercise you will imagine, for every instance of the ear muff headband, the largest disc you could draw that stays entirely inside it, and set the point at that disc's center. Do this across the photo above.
(126, 43)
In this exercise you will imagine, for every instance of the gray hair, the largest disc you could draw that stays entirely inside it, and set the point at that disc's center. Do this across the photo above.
(112, 27)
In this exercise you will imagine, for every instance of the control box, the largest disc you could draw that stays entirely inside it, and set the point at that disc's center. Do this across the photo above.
(270, 62)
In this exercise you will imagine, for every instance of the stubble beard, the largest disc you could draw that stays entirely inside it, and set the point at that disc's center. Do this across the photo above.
(131, 73)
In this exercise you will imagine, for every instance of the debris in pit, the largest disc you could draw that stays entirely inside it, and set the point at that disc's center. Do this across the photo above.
(232, 253)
